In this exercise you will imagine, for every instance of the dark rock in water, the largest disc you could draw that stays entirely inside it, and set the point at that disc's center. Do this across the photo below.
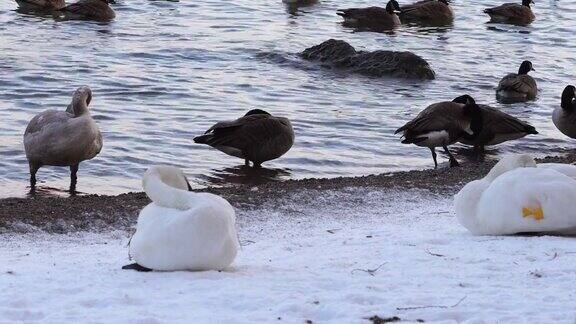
(339, 54)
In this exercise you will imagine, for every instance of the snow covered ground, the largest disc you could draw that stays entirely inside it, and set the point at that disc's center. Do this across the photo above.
(329, 257)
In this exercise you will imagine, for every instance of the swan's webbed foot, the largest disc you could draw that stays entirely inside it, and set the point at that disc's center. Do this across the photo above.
(137, 267)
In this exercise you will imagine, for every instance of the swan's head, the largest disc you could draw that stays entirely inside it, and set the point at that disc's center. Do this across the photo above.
(169, 175)
(509, 163)
(80, 101)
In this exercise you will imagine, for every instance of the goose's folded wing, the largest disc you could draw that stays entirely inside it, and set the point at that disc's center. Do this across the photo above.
(510, 10)
(84, 8)
(440, 116)
(243, 132)
(422, 9)
(498, 122)
(369, 13)
(517, 83)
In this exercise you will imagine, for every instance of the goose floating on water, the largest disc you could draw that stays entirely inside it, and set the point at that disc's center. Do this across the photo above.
(518, 87)
(372, 18)
(98, 10)
(63, 138)
(182, 230)
(564, 117)
(257, 137)
(512, 13)
(497, 127)
(427, 12)
(442, 124)
(42, 4)
(518, 196)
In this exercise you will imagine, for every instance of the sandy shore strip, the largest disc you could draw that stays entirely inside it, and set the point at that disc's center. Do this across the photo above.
(100, 213)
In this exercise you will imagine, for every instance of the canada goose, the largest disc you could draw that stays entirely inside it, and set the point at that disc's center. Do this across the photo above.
(339, 54)
(182, 230)
(63, 138)
(517, 87)
(257, 137)
(42, 4)
(564, 117)
(373, 18)
(497, 126)
(442, 124)
(98, 10)
(512, 13)
(427, 12)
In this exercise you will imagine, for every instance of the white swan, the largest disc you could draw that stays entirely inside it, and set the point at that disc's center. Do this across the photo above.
(182, 230)
(518, 196)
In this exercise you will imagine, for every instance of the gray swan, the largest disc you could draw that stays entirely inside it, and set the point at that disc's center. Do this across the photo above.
(98, 10)
(427, 12)
(497, 127)
(42, 4)
(512, 13)
(339, 54)
(518, 87)
(257, 137)
(442, 124)
(372, 18)
(63, 138)
(564, 117)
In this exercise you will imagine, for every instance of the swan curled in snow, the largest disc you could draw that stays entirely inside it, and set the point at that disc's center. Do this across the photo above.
(180, 229)
(518, 196)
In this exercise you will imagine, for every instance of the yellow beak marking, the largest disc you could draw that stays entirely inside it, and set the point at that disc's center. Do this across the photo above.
(537, 213)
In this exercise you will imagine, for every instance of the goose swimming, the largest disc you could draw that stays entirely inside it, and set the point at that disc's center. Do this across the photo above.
(442, 124)
(512, 13)
(517, 87)
(372, 18)
(98, 10)
(257, 137)
(182, 230)
(427, 12)
(519, 196)
(63, 138)
(42, 4)
(497, 127)
(564, 117)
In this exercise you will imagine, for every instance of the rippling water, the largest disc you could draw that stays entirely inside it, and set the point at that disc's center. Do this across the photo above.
(163, 72)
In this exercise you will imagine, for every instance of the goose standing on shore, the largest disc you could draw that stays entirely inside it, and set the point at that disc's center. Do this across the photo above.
(442, 124)
(372, 18)
(42, 4)
(63, 138)
(257, 137)
(517, 87)
(98, 10)
(497, 127)
(182, 230)
(564, 117)
(427, 12)
(512, 13)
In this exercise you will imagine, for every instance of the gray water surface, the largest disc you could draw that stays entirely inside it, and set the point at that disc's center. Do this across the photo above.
(163, 72)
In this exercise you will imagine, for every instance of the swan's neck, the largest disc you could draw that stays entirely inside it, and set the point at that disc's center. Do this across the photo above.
(164, 195)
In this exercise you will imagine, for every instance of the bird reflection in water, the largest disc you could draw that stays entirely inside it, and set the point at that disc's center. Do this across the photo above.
(246, 176)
